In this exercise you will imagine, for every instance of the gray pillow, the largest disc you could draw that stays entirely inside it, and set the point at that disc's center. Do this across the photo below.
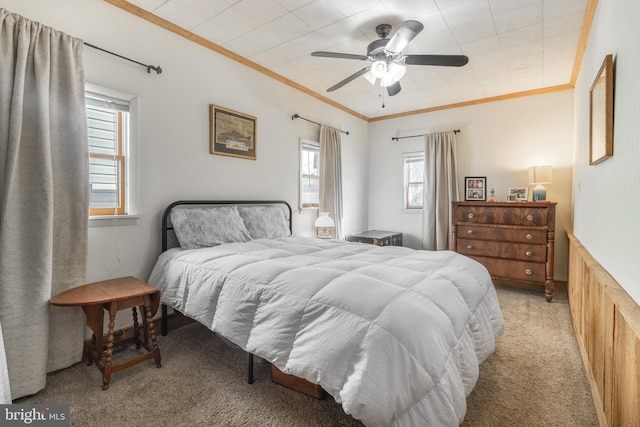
(205, 227)
(265, 222)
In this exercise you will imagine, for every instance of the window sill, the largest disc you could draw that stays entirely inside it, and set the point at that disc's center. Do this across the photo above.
(113, 220)
(411, 211)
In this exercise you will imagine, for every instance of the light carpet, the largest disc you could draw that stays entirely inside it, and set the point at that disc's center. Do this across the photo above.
(535, 378)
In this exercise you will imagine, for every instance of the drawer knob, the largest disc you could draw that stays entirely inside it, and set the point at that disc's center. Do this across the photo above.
(469, 231)
(528, 272)
(530, 217)
(529, 236)
(528, 253)
(470, 215)
(469, 246)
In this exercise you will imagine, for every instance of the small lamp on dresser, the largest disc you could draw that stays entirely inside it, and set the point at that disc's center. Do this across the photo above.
(539, 175)
(323, 224)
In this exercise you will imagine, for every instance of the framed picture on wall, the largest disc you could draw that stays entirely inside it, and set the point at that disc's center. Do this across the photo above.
(232, 133)
(475, 188)
(601, 114)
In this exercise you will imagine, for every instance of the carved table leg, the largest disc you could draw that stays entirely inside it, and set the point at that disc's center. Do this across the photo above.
(136, 330)
(106, 377)
(152, 334)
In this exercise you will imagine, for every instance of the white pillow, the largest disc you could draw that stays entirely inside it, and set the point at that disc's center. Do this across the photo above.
(265, 222)
(204, 227)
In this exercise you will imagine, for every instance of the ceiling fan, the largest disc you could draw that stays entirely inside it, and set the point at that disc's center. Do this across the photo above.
(388, 62)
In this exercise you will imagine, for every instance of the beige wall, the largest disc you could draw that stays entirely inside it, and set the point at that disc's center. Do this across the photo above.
(173, 134)
(499, 140)
(607, 195)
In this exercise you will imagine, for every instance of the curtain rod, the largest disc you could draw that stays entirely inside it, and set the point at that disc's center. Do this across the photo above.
(157, 69)
(297, 116)
(395, 138)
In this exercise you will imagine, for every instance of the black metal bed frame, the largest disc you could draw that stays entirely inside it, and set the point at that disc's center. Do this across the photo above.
(167, 228)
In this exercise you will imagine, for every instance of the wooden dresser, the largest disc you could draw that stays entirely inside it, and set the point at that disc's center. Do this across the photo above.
(514, 241)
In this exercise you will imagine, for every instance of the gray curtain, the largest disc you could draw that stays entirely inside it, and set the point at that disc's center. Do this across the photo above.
(331, 177)
(43, 198)
(440, 189)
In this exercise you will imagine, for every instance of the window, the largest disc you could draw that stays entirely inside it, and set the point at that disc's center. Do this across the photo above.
(309, 174)
(108, 139)
(413, 180)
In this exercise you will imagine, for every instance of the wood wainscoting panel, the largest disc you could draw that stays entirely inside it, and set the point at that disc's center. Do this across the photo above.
(607, 325)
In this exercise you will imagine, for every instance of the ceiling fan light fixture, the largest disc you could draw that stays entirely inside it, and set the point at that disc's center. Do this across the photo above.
(395, 73)
(379, 68)
(370, 77)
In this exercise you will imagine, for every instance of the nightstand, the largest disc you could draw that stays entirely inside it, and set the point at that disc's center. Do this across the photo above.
(377, 237)
(115, 295)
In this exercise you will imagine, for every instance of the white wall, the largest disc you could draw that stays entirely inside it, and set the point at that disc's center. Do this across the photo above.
(499, 140)
(607, 195)
(174, 128)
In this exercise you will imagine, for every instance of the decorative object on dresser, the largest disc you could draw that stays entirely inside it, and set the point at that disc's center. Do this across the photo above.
(539, 175)
(515, 242)
(475, 188)
(377, 237)
(517, 195)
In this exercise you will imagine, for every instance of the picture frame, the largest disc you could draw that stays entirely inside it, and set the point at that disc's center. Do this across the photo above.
(232, 133)
(475, 188)
(601, 114)
(518, 194)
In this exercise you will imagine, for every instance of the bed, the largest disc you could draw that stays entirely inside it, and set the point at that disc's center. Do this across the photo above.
(395, 335)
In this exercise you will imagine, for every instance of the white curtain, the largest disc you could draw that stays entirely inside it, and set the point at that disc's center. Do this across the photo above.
(5, 390)
(43, 198)
(331, 177)
(440, 189)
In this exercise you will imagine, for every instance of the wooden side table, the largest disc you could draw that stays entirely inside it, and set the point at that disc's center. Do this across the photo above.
(114, 295)
(377, 237)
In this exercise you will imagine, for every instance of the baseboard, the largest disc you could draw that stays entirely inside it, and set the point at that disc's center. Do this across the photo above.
(607, 324)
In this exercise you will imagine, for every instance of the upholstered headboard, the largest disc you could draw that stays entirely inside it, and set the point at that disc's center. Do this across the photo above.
(249, 211)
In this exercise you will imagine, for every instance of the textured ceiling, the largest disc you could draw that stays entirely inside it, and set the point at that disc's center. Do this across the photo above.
(513, 45)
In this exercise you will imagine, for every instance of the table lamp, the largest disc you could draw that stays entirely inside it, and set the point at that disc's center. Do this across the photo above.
(539, 175)
(323, 224)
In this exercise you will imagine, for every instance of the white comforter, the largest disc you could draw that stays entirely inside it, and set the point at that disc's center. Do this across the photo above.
(393, 334)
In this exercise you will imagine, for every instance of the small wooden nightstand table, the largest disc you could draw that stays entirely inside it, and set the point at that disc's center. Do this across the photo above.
(114, 295)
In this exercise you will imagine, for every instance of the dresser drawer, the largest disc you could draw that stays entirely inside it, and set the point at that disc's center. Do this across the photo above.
(509, 234)
(502, 215)
(517, 251)
(515, 270)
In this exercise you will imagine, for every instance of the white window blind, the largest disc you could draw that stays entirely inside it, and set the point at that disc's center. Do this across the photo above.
(309, 174)
(413, 180)
(108, 131)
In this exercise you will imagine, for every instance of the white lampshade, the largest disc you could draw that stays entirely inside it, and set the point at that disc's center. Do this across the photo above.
(539, 175)
(395, 73)
(379, 69)
(370, 77)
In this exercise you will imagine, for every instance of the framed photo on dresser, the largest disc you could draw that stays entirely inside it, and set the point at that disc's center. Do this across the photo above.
(475, 188)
